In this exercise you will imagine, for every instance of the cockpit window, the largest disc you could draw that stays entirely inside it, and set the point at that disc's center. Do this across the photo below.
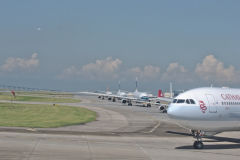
(181, 101)
(188, 101)
(175, 101)
(192, 101)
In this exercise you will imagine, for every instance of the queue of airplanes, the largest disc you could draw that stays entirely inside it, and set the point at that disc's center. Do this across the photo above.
(139, 98)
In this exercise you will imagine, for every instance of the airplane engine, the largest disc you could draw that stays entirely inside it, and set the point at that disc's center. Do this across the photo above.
(124, 101)
(149, 105)
(163, 108)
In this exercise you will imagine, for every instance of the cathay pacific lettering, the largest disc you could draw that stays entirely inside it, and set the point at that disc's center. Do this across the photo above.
(230, 97)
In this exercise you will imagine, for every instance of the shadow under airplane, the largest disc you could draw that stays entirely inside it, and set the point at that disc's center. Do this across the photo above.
(212, 139)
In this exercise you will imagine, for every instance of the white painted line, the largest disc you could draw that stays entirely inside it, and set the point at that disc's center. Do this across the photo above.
(155, 127)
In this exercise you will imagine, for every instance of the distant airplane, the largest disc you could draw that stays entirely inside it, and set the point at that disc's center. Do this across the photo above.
(161, 97)
(106, 94)
(207, 111)
(139, 97)
(125, 97)
(120, 92)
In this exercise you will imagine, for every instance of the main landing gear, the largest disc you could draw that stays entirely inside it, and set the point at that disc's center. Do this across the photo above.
(198, 143)
(129, 103)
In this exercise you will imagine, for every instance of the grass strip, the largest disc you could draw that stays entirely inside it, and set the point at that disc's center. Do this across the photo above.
(43, 116)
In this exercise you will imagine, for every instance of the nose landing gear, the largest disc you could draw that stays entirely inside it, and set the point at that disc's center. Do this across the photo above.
(198, 143)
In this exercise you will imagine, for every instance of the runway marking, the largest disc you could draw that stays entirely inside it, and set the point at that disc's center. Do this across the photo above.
(154, 128)
(37, 143)
(89, 148)
(141, 148)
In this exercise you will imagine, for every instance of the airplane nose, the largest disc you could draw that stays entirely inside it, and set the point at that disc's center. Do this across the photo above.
(173, 111)
(170, 110)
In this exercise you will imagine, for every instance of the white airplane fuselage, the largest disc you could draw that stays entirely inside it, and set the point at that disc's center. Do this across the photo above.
(120, 93)
(139, 95)
(207, 109)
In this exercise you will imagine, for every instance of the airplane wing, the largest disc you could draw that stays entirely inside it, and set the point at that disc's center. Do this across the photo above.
(165, 99)
(92, 94)
(102, 95)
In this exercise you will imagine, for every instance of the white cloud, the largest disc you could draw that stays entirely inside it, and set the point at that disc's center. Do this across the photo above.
(12, 64)
(176, 72)
(72, 70)
(146, 72)
(101, 69)
(212, 69)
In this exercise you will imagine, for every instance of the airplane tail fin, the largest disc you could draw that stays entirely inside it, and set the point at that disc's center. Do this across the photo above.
(160, 93)
(171, 91)
(119, 87)
(136, 85)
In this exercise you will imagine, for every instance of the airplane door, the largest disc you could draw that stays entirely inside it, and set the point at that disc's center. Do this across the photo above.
(211, 103)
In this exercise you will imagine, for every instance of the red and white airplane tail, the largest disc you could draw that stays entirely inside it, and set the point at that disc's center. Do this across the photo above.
(160, 93)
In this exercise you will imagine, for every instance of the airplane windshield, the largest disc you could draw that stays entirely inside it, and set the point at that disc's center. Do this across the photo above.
(181, 101)
(192, 101)
(188, 101)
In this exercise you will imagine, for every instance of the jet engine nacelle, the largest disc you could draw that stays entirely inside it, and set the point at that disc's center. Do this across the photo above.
(163, 108)
(124, 101)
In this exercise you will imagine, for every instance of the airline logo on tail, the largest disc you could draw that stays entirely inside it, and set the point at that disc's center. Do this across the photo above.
(202, 106)
(160, 93)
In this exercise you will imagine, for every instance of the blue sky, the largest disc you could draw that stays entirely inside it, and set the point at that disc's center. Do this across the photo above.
(91, 45)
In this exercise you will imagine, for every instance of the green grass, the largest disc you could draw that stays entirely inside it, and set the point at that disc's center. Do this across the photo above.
(43, 116)
(37, 99)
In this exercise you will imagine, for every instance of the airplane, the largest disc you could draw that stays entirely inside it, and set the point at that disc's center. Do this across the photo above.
(143, 98)
(206, 111)
(108, 95)
(100, 94)
(162, 98)
(120, 92)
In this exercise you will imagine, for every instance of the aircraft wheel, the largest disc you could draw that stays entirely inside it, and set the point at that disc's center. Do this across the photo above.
(130, 104)
(148, 105)
(198, 145)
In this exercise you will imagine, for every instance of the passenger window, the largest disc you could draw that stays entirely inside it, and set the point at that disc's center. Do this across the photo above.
(181, 101)
(188, 101)
(192, 101)
(175, 100)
